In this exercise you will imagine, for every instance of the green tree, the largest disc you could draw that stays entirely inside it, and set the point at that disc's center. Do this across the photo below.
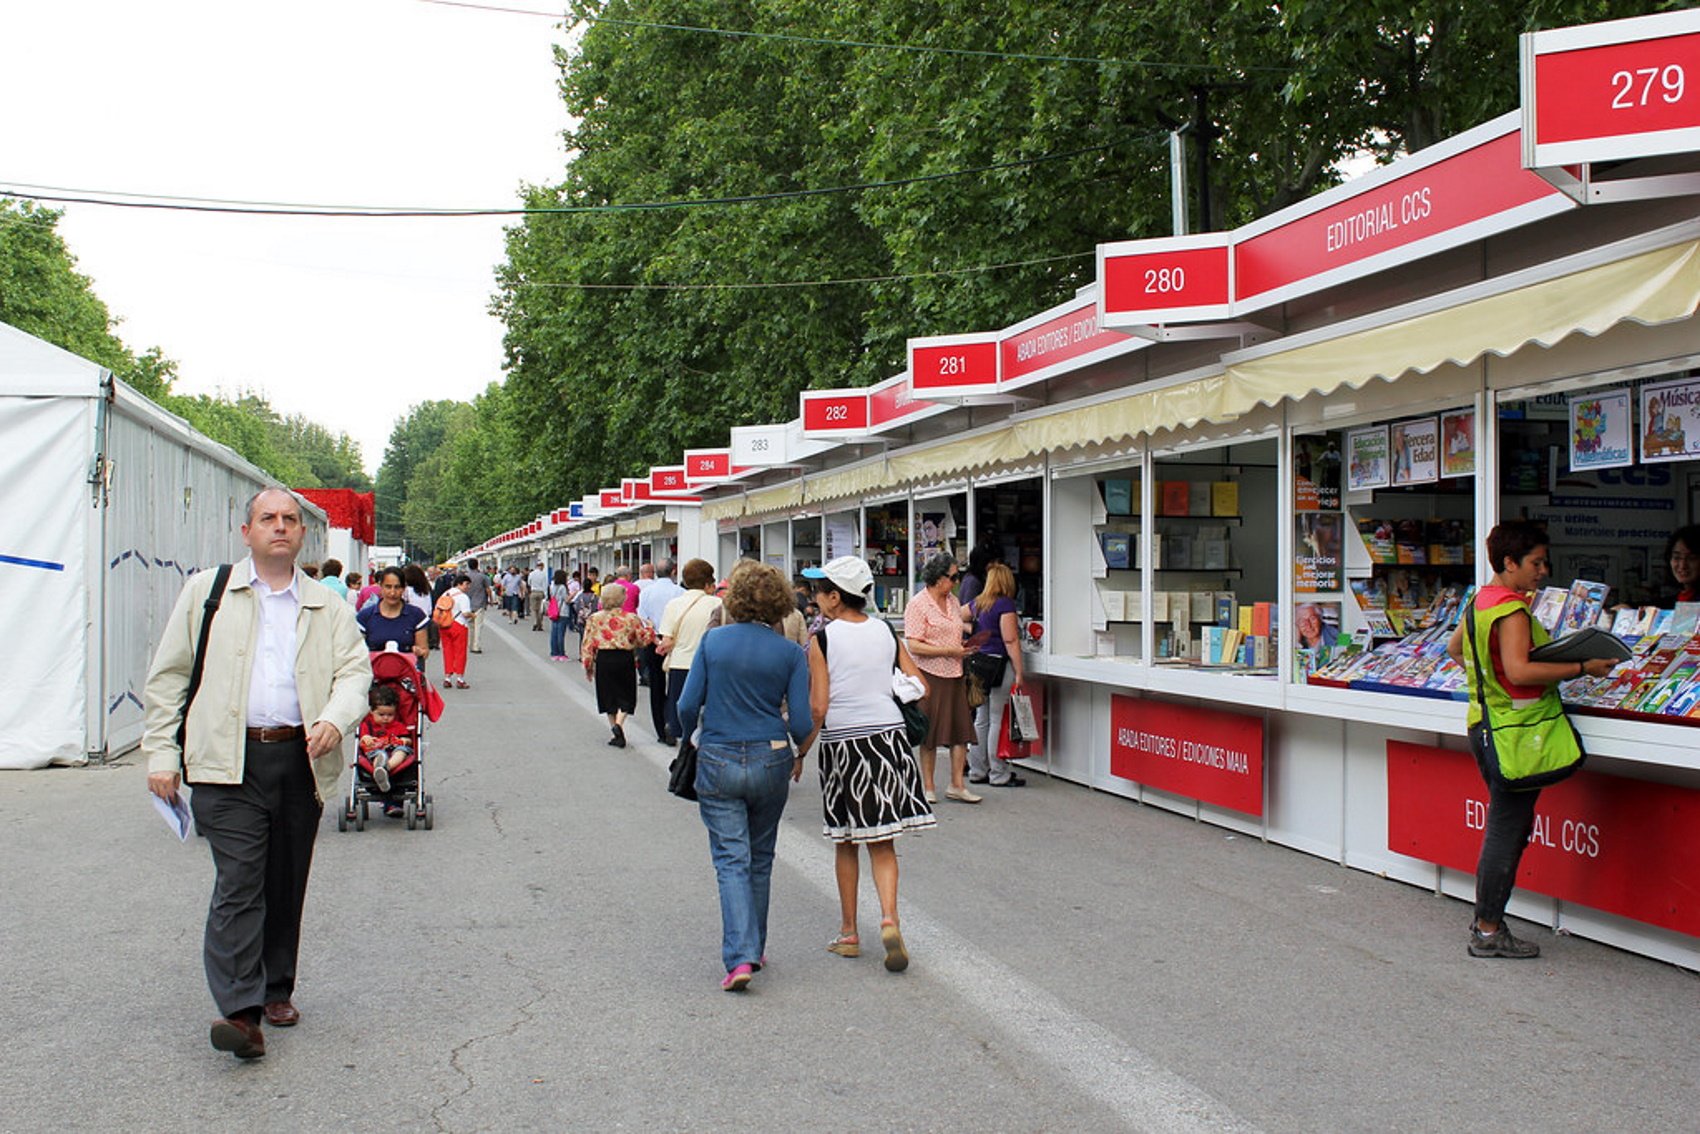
(42, 293)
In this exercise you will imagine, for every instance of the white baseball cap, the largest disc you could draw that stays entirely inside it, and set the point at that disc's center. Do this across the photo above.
(848, 573)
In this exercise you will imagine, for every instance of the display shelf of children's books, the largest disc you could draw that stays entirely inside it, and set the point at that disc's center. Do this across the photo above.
(1399, 650)
(1660, 681)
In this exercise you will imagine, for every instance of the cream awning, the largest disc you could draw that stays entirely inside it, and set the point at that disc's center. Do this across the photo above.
(855, 481)
(779, 498)
(1650, 288)
(1654, 287)
(650, 524)
(728, 509)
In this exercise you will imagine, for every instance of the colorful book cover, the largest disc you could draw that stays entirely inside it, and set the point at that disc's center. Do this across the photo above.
(1118, 496)
(1378, 540)
(1410, 542)
(1684, 701)
(1685, 620)
(1582, 608)
(1177, 498)
(1549, 607)
(1225, 498)
(1623, 623)
(1262, 617)
(1118, 550)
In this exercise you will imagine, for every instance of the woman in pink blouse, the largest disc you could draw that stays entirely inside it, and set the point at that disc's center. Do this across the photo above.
(932, 624)
(611, 639)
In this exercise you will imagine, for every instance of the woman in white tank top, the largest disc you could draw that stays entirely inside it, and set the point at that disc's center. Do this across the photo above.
(870, 783)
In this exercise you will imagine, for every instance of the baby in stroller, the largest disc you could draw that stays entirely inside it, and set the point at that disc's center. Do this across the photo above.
(386, 742)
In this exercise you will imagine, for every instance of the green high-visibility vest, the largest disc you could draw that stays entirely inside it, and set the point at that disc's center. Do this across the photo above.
(1528, 743)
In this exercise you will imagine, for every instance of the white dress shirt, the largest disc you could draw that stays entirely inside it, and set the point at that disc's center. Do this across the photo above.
(272, 700)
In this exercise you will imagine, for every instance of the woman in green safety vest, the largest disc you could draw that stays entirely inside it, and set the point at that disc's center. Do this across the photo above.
(1518, 732)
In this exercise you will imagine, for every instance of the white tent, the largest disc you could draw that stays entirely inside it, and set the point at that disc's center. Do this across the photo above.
(111, 503)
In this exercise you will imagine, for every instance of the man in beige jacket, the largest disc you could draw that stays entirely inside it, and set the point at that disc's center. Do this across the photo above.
(284, 681)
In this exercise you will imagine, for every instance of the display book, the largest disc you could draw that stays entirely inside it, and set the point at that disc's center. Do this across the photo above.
(1204, 549)
(1230, 634)
(1661, 677)
(1415, 663)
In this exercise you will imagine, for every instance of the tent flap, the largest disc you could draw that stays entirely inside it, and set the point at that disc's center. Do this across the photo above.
(1654, 287)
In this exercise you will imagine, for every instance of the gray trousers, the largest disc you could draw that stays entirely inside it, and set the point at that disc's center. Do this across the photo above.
(983, 753)
(261, 833)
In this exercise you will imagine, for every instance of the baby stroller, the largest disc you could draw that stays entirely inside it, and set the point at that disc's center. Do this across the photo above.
(419, 703)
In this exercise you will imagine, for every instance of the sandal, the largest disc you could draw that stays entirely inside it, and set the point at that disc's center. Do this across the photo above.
(845, 945)
(896, 956)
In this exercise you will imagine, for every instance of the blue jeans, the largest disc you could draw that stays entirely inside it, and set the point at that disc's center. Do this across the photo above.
(557, 637)
(741, 792)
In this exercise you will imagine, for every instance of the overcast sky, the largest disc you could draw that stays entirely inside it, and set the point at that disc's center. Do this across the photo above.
(344, 102)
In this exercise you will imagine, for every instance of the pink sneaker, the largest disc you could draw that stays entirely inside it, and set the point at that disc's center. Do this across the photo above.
(738, 979)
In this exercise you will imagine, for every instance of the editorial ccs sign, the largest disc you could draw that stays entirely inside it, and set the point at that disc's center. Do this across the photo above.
(1604, 92)
(1617, 845)
(1204, 754)
(1474, 185)
(1460, 190)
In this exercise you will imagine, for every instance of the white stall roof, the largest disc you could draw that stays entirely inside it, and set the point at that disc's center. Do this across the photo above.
(32, 367)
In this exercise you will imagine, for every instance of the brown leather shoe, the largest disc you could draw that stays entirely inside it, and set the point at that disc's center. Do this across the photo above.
(282, 1014)
(239, 1038)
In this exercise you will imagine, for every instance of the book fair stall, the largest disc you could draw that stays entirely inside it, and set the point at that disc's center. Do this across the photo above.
(1244, 479)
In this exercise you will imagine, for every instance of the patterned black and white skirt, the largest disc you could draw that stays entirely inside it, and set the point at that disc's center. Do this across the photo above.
(871, 786)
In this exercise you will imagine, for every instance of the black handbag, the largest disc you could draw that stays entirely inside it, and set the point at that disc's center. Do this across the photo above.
(987, 669)
(682, 772)
(915, 723)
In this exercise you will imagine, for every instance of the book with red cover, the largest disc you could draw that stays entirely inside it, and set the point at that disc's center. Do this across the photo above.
(1177, 497)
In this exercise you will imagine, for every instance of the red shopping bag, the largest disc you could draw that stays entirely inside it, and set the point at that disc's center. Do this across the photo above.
(1025, 748)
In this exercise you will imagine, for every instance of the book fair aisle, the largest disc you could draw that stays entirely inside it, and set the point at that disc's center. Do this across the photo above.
(1244, 481)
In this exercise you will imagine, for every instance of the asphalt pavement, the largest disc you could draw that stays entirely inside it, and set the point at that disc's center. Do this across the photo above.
(547, 958)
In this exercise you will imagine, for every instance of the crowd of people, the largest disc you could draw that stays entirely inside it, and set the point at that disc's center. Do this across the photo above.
(751, 673)
(748, 675)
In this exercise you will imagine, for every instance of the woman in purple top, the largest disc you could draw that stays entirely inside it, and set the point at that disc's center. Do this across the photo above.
(993, 613)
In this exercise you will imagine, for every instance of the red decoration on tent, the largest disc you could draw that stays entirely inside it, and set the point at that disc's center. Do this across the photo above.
(347, 509)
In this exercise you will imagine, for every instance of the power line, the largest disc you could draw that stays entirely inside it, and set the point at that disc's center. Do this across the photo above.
(821, 41)
(117, 198)
(809, 283)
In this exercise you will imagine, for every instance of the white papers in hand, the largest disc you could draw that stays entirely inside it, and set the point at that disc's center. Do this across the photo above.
(175, 813)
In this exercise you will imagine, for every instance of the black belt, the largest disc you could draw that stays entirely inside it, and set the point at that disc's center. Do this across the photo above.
(277, 735)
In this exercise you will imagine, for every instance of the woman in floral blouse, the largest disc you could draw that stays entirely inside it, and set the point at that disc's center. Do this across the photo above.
(932, 626)
(611, 641)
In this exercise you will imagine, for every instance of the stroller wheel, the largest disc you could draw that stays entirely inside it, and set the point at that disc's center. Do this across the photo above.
(408, 814)
(429, 812)
(360, 818)
(342, 819)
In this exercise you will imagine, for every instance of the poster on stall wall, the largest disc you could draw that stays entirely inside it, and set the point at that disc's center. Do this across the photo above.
(1458, 443)
(1316, 473)
(1316, 559)
(1317, 624)
(1599, 430)
(1366, 458)
(840, 538)
(1670, 421)
(1415, 451)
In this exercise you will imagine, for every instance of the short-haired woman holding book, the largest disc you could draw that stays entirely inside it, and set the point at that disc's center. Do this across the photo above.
(1518, 732)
